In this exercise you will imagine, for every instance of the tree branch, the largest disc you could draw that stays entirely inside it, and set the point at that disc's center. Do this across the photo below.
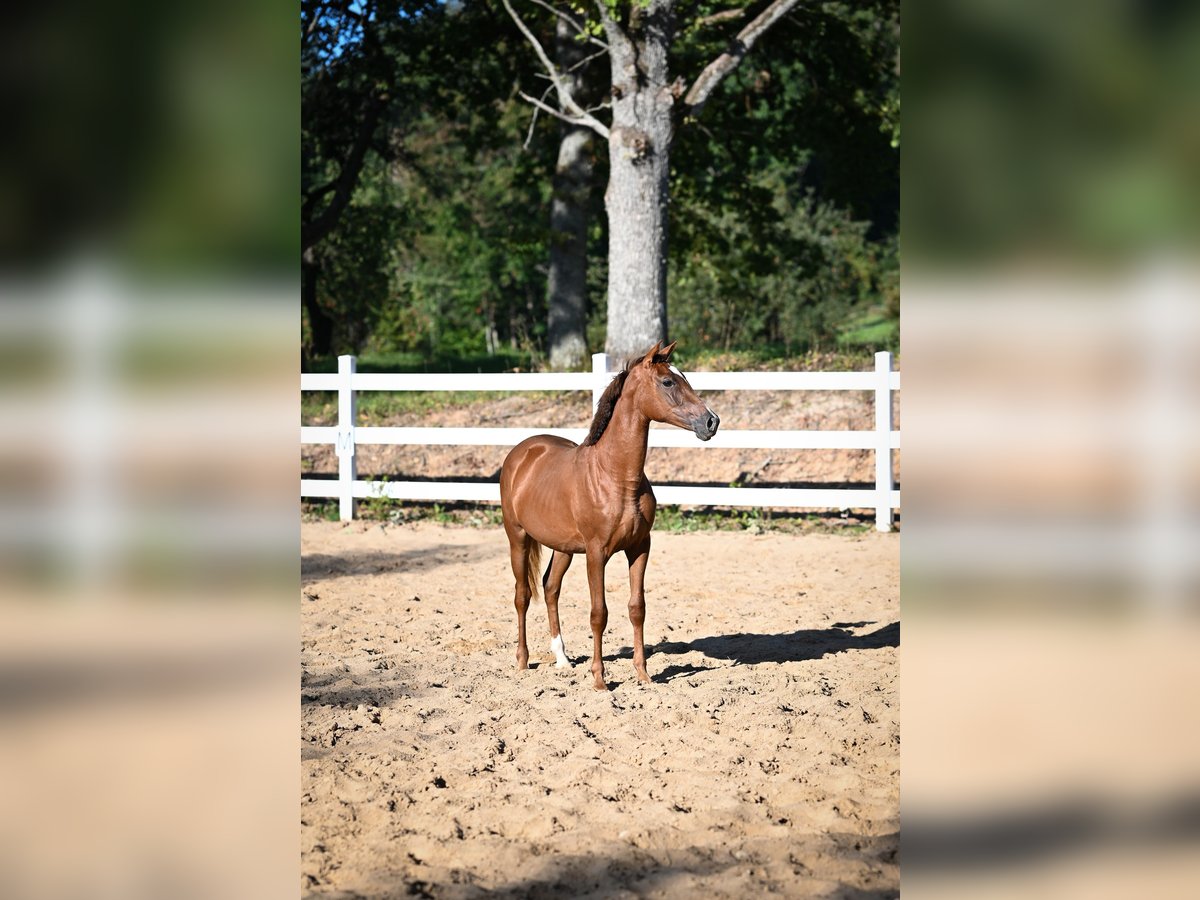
(566, 101)
(715, 71)
(313, 230)
(578, 28)
(577, 66)
(587, 59)
(533, 118)
(725, 15)
(571, 120)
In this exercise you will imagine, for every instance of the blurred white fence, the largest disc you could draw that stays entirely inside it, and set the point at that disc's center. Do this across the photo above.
(347, 435)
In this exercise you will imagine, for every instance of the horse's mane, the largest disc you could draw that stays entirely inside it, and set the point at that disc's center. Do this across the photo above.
(608, 400)
(604, 409)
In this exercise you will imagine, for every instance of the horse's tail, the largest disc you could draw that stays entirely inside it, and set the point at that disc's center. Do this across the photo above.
(533, 566)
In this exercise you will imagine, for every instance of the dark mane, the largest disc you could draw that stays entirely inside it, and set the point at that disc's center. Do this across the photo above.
(604, 409)
(607, 402)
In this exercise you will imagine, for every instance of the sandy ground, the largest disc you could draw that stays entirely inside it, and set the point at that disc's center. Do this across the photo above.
(763, 758)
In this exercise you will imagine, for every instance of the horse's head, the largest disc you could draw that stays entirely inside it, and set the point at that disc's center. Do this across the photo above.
(666, 396)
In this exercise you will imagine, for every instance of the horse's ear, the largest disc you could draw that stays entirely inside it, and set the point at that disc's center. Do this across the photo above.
(650, 356)
(660, 354)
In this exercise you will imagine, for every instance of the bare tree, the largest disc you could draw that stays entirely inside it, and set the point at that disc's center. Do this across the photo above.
(645, 108)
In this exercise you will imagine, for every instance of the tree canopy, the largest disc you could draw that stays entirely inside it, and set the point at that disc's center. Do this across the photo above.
(784, 187)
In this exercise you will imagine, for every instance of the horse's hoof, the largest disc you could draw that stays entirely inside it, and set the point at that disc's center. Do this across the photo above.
(601, 687)
(560, 653)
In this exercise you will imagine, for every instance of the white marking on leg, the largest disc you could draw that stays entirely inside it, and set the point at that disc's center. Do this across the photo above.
(560, 653)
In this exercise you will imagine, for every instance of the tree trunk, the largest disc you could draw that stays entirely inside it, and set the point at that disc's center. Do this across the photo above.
(320, 324)
(645, 107)
(639, 168)
(566, 288)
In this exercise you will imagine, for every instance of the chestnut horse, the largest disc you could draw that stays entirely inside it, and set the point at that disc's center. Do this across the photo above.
(593, 498)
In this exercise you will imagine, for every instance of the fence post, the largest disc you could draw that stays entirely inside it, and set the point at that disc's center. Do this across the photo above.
(347, 410)
(883, 441)
(601, 378)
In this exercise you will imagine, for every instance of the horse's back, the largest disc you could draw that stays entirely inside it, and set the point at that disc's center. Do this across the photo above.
(530, 451)
(541, 443)
(534, 459)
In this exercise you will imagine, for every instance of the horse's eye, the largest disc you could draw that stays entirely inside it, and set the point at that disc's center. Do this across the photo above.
(667, 382)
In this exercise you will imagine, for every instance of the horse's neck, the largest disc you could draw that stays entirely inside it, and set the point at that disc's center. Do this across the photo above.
(621, 450)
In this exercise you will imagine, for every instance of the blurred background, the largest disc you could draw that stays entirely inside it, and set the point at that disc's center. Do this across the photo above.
(148, 533)
(1051, 573)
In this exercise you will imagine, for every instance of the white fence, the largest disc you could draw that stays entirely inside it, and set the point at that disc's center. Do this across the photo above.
(347, 435)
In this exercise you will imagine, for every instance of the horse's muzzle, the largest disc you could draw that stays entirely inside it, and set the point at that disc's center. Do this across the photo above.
(705, 425)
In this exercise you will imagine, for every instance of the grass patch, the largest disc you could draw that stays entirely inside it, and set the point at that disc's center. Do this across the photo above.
(378, 407)
(756, 520)
(318, 510)
(874, 331)
(398, 512)
(672, 519)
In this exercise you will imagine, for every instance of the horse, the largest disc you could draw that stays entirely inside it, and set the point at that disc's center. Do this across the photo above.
(593, 498)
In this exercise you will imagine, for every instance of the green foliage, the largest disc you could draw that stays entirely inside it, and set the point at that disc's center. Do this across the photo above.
(319, 510)
(378, 505)
(1053, 134)
(794, 276)
(674, 519)
(356, 262)
(785, 193)
(467, 277)
(686, 519)
(442, 249)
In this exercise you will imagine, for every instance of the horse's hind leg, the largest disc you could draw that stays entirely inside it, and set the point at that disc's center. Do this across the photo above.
(551, 585)
(520, 545)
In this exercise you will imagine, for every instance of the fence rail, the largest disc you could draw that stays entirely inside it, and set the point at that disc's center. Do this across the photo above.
(346, 436)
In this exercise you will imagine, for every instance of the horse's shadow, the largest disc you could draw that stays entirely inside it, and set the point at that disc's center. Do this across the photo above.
(316, 567)
(793, 646)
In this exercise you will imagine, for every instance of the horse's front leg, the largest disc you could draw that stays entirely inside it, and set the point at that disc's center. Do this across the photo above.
(596, 560)
(638, 556)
